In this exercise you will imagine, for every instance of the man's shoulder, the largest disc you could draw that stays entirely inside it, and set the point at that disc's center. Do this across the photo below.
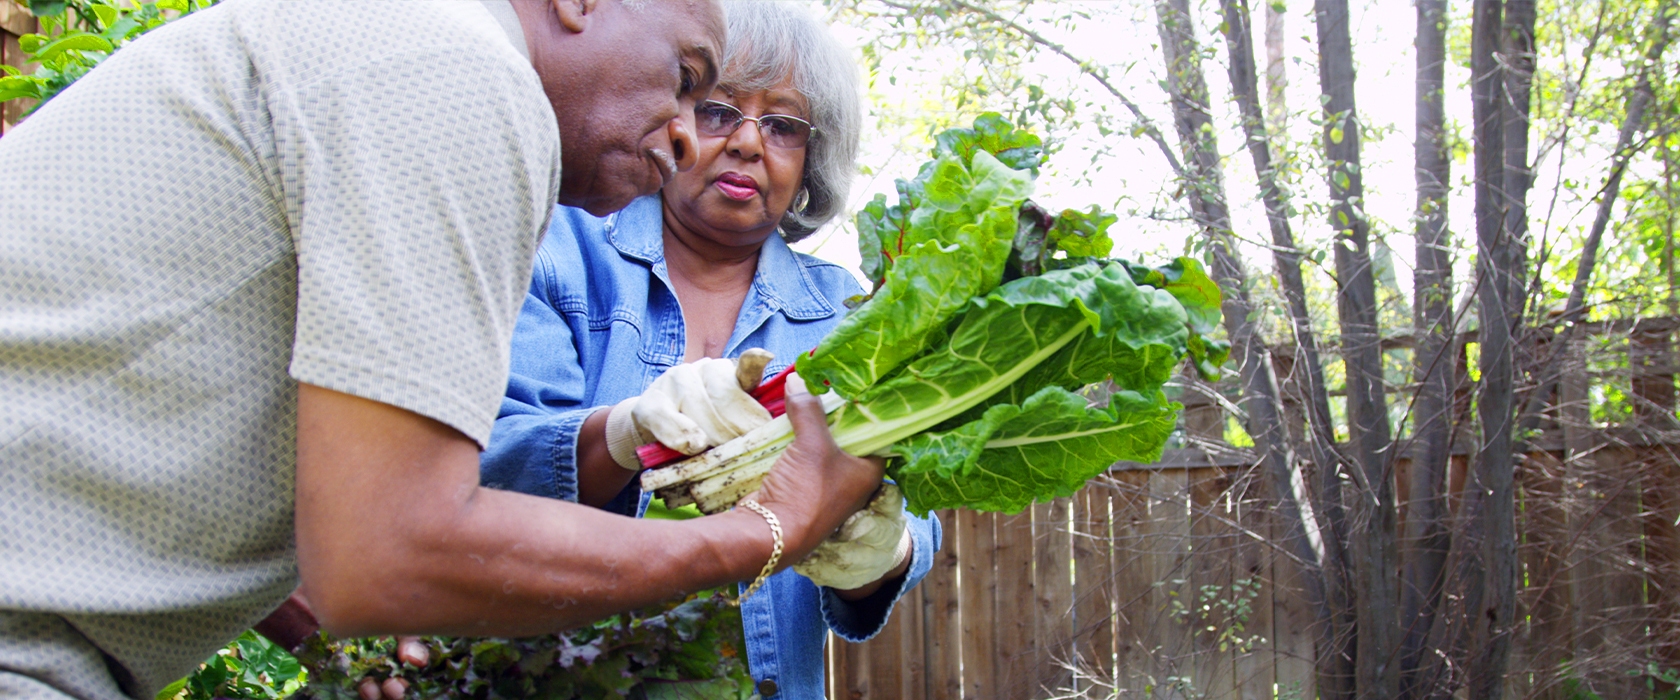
(320, 37)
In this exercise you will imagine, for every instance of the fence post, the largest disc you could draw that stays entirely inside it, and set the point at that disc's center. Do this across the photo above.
(1651, 360)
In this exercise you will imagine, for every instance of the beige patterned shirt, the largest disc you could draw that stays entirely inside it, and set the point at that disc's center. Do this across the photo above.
(346, 194)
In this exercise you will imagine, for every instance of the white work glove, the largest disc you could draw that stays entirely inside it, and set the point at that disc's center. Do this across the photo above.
(868, 545)
(689, 408)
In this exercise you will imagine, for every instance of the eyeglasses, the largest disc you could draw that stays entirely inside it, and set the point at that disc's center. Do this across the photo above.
(779, 130)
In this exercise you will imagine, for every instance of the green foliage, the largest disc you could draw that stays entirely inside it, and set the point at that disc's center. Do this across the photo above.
(1056, 333)
(1016, 148)
(77, 35)
(944, 243)
(693, 649)
(249, 669)
(1223, 612)
(989, 371)
(1663, 683)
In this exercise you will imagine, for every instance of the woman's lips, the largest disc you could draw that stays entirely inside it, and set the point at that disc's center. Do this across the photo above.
(737, 186)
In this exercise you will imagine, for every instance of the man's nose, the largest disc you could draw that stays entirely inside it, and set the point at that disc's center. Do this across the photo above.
(681, 133)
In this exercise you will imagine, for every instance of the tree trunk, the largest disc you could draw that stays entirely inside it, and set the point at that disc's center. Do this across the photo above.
(1335, 636)
(1517, 69)
(1277, 75)
(1489, 505)
(1373, 547)
(1434, 356)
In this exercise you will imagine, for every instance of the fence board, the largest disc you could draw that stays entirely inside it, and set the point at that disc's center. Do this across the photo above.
(913, 647)
(1256, 667)
(886, 660)
(853, 681)
(1053, 590)
(1094, 593)
(1137, 599)
(1013, 611)
(941, 624)
(1211, 551)
(1608, 590)
(979, 587)
(1167, 551)
(1661, 503)
(1546, 640)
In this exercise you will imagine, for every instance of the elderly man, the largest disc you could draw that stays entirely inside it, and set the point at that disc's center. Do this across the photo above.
(258, 274)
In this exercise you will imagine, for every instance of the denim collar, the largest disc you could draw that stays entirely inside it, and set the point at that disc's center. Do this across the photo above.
(781, 281)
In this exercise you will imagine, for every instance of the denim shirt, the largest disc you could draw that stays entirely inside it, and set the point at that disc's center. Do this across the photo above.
(600, 323)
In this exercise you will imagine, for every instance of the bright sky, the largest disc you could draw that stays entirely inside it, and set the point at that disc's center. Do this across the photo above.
(1131, 177)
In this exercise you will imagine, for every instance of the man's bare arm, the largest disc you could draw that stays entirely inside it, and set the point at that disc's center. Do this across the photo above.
(396, 536)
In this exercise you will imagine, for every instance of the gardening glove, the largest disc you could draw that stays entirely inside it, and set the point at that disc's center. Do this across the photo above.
(689, 408)
(869, 544)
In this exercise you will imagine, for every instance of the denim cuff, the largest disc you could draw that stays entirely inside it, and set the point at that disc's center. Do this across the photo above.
(563, 453)
(857, 621)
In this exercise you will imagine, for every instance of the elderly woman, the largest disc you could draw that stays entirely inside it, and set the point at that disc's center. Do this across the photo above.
(700, 272)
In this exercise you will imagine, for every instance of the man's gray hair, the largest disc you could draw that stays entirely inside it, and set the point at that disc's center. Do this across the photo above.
(772, 39)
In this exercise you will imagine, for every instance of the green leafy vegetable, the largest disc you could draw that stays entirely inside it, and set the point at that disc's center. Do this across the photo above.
(1014, 455)
(988, 315)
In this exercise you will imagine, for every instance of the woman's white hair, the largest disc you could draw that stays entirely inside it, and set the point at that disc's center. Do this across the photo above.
(770, 40)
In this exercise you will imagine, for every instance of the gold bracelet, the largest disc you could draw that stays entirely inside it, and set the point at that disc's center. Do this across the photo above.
(775, 552)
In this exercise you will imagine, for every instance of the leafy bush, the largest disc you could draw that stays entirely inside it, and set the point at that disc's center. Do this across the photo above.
(249, 669)
(77, 35)
(693, 649)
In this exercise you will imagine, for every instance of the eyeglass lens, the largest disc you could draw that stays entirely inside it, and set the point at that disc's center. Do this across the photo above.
(781, 131)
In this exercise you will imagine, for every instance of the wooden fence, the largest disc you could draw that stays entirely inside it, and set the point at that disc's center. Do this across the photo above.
(1167, 580)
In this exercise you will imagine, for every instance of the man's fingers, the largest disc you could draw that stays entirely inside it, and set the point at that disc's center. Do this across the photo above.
(805, 412)
(412, 651)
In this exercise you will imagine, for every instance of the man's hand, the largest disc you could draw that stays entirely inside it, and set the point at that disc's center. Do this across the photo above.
(869, 545)
(815, 486)
(690, 407)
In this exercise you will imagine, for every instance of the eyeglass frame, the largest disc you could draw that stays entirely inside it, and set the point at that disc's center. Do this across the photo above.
(757, 121)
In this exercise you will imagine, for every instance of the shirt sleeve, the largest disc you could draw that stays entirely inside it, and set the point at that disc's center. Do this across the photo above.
(857, 621)
(417, 187)
(533, 448)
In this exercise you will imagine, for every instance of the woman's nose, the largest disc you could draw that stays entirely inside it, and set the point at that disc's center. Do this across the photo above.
(747, 143)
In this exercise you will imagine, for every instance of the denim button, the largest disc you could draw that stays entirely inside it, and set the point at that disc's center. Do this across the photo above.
(767, 687)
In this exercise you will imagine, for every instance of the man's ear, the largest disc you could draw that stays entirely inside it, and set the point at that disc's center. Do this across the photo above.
(574, 14)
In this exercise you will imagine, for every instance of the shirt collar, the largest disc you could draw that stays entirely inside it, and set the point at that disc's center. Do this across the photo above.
(781, 281)
(508, 18)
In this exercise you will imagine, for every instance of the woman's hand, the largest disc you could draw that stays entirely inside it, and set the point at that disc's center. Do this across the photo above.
(689, 408)
(870, 546)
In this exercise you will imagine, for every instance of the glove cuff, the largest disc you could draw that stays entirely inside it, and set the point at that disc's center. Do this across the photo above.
(622, 436)
(902, 552)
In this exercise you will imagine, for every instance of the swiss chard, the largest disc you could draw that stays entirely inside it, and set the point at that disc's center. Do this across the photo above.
(989, 313)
